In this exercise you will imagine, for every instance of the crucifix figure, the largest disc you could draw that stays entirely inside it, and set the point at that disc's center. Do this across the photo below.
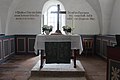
(58, 12)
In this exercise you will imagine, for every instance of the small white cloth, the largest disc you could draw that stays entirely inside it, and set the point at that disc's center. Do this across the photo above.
(76, 42)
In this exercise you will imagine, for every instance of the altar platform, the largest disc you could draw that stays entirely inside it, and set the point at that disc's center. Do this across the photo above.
(54, 71)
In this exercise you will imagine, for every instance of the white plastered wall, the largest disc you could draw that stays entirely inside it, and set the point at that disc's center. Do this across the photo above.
(0, 26)
(33, 27)
(115, 20)
(106, 9)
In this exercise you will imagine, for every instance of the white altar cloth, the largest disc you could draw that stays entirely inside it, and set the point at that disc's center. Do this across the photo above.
(76, 42)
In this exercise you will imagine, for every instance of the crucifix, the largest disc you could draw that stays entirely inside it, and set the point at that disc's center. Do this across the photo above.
(58, 12)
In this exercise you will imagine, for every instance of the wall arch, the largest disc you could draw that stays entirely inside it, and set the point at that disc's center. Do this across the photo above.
(95, 4)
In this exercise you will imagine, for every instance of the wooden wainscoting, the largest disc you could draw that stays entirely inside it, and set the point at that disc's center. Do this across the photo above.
(102, 41)
(24, 44)
(0, 50)
(7, 47)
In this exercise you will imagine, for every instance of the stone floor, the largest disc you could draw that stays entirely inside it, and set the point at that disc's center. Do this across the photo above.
(19, 67)
(95, 67)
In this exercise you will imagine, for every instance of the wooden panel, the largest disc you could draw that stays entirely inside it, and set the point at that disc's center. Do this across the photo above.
(88, 46)
(104, 41)
(31, 42)
(6, 48)
(113, 63)
(24, 44)
(58, 52)
(104, 48)
(21, 44)
(98, 46)
(114, 70)
(112, 43)
(12, 45)
(0, 49)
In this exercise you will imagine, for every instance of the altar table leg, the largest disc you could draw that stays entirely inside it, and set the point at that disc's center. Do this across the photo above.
(76, 51)
(41, 66)
(37, 53)
(75, 58)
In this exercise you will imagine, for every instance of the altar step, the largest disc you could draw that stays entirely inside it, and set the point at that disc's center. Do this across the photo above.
(57, 78)
(59, 70)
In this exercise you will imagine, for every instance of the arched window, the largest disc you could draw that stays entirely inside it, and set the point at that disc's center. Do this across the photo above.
(51, 18)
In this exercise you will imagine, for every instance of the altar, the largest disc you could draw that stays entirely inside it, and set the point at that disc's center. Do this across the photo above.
(74, 40)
